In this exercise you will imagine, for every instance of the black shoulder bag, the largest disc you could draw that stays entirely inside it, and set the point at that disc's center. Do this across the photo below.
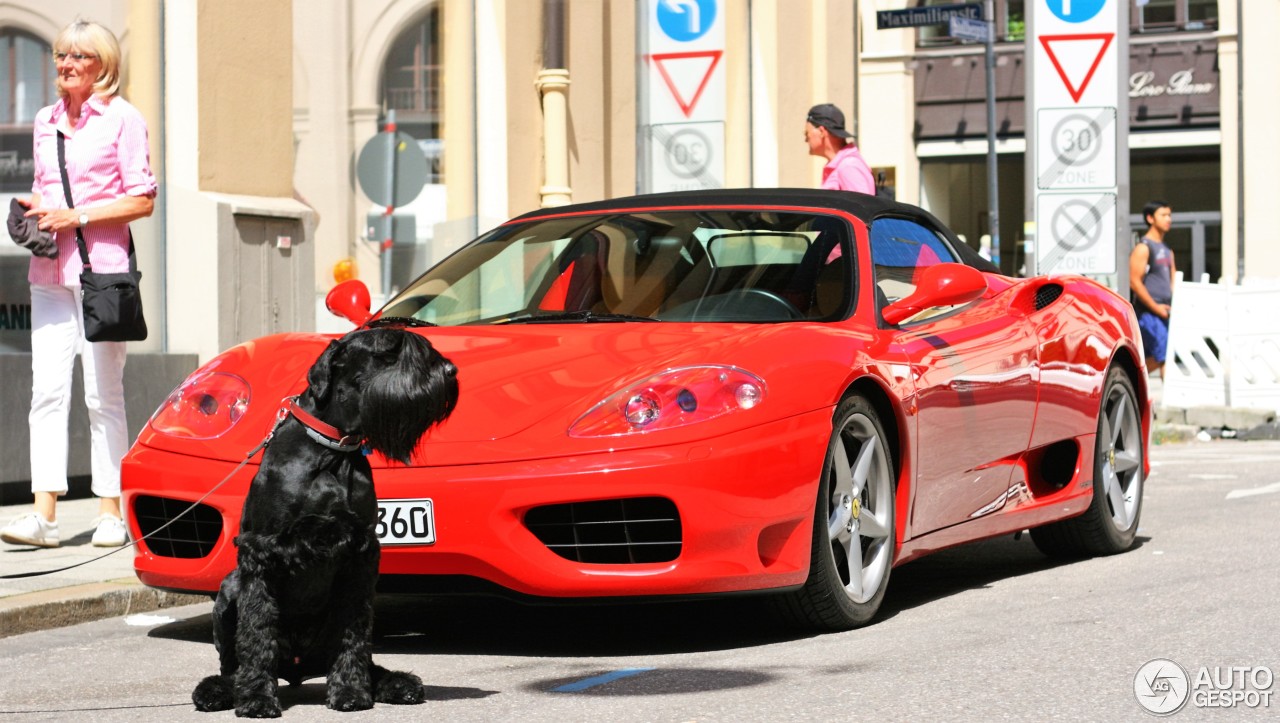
(112, 303)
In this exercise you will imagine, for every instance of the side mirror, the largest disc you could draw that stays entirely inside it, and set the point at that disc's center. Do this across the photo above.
(939, 285)
(350, 300)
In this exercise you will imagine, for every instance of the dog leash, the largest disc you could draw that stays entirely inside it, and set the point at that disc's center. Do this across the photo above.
(280, 417)
(322, 433)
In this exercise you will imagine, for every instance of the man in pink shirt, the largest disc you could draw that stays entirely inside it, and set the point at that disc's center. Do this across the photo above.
(827, 138)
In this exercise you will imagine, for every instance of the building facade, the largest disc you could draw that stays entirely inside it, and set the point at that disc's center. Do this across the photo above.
(1196, 139)
(260, 113)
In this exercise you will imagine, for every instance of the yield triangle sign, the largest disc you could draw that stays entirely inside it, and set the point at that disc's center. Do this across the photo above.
(686, 74)
(1076, 57)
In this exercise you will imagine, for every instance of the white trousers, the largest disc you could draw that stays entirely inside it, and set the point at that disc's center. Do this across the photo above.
(57, 335)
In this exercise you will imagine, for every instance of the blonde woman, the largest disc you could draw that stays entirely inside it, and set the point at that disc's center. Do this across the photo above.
(111, 183)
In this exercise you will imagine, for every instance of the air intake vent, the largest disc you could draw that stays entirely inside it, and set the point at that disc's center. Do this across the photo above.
(1047, 294)
(192, 535)
(610, 532)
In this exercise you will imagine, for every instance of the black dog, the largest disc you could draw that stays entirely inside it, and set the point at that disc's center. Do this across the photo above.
(300, 601)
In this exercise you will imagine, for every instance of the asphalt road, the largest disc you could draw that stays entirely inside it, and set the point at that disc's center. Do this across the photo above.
(989, 631)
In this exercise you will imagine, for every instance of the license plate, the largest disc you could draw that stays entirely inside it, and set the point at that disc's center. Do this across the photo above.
(406, 522)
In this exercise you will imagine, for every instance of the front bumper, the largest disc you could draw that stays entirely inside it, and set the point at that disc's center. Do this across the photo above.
(745, 503)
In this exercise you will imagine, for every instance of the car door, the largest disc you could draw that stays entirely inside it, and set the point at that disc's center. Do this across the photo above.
(975, 369)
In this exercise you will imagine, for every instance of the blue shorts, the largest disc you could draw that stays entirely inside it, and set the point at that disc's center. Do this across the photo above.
(1155, 335)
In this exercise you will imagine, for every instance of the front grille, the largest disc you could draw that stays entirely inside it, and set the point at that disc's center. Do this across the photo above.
(192, 535)
(610, 532)
(1047, 294)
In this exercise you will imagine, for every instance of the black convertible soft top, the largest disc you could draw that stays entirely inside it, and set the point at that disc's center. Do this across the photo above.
(860, 205)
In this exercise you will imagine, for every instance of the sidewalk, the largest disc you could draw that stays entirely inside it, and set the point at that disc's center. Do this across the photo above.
(102, 588)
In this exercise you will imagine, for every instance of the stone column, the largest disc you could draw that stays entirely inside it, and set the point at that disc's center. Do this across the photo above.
(552, 84)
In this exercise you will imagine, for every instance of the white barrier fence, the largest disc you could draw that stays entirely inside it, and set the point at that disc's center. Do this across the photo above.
(1224, 346)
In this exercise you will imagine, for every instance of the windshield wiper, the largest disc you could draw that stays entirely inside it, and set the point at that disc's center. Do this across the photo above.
(585, 317)
(398, 321)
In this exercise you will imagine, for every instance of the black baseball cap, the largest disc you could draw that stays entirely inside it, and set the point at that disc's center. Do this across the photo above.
(828, 116)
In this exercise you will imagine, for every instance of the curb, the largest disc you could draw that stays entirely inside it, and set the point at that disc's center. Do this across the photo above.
(48, 609)
(1173, 433)
(1178, 424)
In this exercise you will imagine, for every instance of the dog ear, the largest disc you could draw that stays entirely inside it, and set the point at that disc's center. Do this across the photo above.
(319, 376)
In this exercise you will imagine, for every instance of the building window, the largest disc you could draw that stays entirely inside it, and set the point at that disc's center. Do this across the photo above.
(1015, 20)
(26, 86)
(1164, 16)
(411, 87)
(1010, 15)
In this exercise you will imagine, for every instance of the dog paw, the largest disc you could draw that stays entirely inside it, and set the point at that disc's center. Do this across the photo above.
(213, 694)
(259, 707)
(399, 688)
(349, 700)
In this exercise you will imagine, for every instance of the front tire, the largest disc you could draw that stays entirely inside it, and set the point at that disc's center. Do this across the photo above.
(853, 528)
(1110, 524)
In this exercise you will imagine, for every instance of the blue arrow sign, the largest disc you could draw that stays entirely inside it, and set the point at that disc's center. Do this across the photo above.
(1075, 11)
(685, 20)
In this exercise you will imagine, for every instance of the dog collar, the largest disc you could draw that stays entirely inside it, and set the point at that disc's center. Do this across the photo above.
(322, 433)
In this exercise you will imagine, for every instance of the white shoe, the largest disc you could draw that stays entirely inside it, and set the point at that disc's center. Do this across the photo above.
(110, 531)
(31, 529)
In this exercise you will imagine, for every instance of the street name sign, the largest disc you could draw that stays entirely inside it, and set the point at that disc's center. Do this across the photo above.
(963, 28)
(933, 15)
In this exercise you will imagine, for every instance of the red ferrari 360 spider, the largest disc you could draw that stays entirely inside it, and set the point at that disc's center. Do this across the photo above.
(778, 391)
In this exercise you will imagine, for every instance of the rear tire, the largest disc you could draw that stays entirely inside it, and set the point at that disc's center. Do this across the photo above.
(853, 527)
(1110, 524)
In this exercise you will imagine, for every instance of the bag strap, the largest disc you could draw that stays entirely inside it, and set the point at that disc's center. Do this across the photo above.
(66, 189)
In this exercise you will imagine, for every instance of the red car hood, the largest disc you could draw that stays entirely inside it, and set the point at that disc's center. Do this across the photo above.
(526, 385)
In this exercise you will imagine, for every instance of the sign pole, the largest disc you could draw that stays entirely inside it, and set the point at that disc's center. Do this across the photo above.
(993, 181)
(389, 215)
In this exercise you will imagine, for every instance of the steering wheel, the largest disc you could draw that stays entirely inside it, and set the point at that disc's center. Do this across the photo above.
(753, 297)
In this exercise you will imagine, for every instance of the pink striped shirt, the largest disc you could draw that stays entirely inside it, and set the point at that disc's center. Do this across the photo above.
(107, 158)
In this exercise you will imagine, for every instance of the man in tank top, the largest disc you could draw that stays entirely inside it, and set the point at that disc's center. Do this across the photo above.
(1151, 275)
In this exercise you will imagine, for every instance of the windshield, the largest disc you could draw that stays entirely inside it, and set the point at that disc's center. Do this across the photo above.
(685, 265)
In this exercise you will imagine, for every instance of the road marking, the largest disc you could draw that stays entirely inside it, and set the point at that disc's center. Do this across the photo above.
(144, 620)
(1268, 490)
(1213, 476)
(593, 681)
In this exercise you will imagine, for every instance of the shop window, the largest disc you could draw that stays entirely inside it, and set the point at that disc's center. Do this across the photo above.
(26, 86)
(411, 87)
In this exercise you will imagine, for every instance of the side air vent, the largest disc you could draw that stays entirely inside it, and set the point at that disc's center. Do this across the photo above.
(609, 532)
(1047, 294)
(192, 535)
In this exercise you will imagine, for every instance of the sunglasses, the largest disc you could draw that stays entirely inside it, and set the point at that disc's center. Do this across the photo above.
(77, 57)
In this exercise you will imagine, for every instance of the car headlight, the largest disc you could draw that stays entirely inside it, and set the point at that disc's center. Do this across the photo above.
(674, 398)
(204, 406)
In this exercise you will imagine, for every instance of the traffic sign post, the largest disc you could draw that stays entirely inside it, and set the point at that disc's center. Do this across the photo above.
(392, 171)
(682, 95)
(971, 22)
(1077, 144)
